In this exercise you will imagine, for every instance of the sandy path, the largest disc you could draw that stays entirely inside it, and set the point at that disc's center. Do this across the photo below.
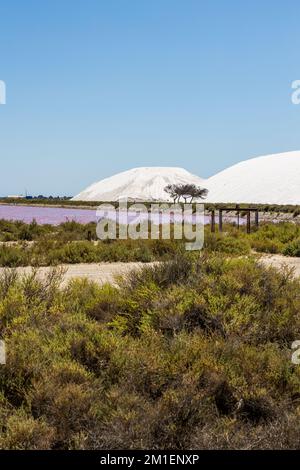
(107, 272)
(97, 272)
(278, 261)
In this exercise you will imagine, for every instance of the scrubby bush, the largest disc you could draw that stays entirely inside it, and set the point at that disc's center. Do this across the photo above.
(269, 238)
(68, 243)
(292, 248)
(228, 243)
(45, 252)
(23, 432)
(194, 352)
(13, 256)
(13, 231)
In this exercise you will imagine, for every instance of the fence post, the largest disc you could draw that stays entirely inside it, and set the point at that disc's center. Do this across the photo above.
(220, 220)
(256, 218)
(213, 221)
(238, 216)
(248, 222)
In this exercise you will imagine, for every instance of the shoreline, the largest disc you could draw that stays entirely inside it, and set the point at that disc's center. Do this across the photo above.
(230, 216)
(50, 206)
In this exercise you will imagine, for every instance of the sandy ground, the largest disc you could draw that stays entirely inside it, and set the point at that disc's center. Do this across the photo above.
(108, 272)
(278, 261)
(98, 272)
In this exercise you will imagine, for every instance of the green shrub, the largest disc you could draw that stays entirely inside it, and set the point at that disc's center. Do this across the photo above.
(233, 246)
(267, 246)
(194, 352)
(13, 256)
(25, 433)
(292, 248)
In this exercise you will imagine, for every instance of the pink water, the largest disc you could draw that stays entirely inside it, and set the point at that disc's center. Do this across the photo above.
(46, 215)
(58, 215)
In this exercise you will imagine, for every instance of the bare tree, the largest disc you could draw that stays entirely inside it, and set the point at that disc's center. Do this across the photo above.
(198, 193)
(171, 190)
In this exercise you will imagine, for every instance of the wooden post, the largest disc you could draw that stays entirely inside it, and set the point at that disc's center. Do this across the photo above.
(256, 218)
(172, 216)
(149, 221)
(220, 220)
(248, 221)
(238, 217)
(160, 225)
(213, 221)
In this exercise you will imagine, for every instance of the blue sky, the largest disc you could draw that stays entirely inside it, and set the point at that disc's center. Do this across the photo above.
(95, 87)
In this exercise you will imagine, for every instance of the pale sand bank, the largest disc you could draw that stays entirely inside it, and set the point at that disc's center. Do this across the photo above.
(100, 273)
(279, 261)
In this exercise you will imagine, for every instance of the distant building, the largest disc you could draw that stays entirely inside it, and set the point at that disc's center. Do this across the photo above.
(16, 196)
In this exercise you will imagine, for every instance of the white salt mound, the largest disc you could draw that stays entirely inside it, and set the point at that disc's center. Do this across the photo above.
(138, 184)
(271, 179)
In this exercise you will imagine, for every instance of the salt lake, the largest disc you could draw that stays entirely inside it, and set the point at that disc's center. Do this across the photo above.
(57, 215)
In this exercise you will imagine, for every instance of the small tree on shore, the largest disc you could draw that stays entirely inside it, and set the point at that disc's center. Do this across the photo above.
(171, 190)
(198, 193)
(186, 191)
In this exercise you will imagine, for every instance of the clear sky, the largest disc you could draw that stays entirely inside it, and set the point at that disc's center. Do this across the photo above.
(95, 87)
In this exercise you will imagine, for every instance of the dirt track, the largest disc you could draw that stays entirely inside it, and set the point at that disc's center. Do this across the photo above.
(278, 261)
(107, 272)
(98, 272)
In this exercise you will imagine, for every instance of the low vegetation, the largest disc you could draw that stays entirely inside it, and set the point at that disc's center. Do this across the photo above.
(283, 237)
(52, 253)
(193, 353)
(71, 242)
(68, 231)
(67, 202)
